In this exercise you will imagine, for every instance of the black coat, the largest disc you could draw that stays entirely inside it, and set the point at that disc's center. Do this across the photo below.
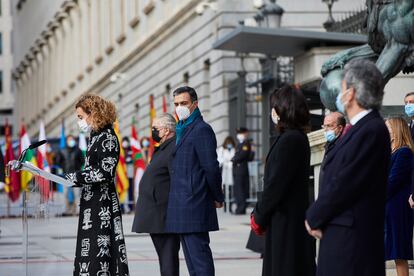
(289, 250)
(350, 206)
(241, 159)
(100, 244)
(153, 192)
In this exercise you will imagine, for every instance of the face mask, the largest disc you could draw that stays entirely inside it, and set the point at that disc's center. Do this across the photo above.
(240, 137)
(409, 109)
(71, 143)
(275, 118)
(83, 126)
(330, 135)
(155, 133)
(183, 112)
(125, 144)
(229, 146)
(145, 143)
(339, 105)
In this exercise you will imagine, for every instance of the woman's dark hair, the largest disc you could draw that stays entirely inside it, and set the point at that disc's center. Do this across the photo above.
(229, 140)
(292, 109)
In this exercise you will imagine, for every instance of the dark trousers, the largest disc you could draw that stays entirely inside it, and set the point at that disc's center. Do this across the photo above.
(197, 252)
(241, 192)
(167, 247)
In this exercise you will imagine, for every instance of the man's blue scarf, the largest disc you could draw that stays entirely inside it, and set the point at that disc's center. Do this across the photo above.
(182, 125)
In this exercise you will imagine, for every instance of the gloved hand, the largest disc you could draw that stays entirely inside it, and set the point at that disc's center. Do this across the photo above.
(255, 227)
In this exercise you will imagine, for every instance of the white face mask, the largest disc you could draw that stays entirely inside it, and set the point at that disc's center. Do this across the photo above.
(240, 137)
(83, 126)
(183, 112)
(275, 118)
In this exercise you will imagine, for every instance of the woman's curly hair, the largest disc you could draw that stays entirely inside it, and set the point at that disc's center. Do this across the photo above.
(102, 112)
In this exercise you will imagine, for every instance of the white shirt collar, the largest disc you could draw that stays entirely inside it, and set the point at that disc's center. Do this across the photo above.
(359, 116)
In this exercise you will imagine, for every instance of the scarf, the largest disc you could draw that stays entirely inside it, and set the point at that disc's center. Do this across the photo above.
(182, 125)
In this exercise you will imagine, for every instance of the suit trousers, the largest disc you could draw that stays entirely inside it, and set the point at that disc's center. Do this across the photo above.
(197, 252)
(167, 247)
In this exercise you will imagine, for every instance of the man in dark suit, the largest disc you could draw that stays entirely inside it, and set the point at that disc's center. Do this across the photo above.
(334, 125)
(195, 189)
(348, 215)
(154, 187)
(241, 170)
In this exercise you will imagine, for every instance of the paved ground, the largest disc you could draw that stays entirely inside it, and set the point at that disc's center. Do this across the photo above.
(52, 246)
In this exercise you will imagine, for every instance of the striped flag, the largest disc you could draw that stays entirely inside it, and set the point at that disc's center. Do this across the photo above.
(122, 182)
(13, 180)
(164, 104)
(26, 177)
(44, 184)
(138, 158)
(62, 145)
(83, 145)
(152, 117)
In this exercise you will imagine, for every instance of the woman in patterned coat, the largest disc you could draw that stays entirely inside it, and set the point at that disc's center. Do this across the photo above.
(100, 246)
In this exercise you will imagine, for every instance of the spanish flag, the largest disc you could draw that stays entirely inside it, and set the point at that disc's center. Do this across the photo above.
(13, 179)
(152, 117)
(122, 183)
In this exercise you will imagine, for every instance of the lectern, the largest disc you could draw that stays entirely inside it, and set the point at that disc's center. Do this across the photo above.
(37, 202)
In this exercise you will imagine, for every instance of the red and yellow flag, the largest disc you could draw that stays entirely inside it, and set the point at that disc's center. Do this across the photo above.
(13, 179)
(164, 104)
(152, 117)
(122, 182)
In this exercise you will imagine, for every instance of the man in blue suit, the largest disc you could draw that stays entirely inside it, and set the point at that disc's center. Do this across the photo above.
(195, 188)
(348, 215)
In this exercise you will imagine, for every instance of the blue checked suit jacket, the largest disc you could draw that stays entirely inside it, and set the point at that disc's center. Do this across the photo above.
(195, 182)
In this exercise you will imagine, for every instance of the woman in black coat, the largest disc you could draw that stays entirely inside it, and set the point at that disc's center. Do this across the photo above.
(154, 187)
(100, 246)
(281, 211)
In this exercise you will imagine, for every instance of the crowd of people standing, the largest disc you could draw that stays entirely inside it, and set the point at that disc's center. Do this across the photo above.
(362, 214)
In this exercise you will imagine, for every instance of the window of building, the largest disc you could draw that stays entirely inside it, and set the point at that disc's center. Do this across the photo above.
(186, 78)
(1, 43)
(1, 82)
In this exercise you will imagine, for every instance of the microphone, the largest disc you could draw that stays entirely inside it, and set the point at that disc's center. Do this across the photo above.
(32, 146)
(37, 144)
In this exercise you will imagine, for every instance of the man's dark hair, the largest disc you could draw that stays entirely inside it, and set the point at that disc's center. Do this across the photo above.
(341, 121)
(186, 89)
(409, 94)
(292, 109)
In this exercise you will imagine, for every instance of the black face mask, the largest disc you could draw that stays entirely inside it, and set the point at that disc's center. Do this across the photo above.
(155, 133)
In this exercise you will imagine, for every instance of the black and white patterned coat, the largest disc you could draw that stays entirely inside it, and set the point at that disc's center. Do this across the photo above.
(100, 246)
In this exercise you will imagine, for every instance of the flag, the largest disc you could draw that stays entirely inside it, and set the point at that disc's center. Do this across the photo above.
(164, 104)
(152, 117)
(83, 146)
(62, 145)
(13, 180)
(137, 157)
(44, 184)
(26, 177)
(41, 151)
(122, 182)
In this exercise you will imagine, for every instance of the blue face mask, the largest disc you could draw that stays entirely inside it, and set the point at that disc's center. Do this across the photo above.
(339, 105)
(330, 135)
(71, 143)
(229, 146)
(409, 110)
